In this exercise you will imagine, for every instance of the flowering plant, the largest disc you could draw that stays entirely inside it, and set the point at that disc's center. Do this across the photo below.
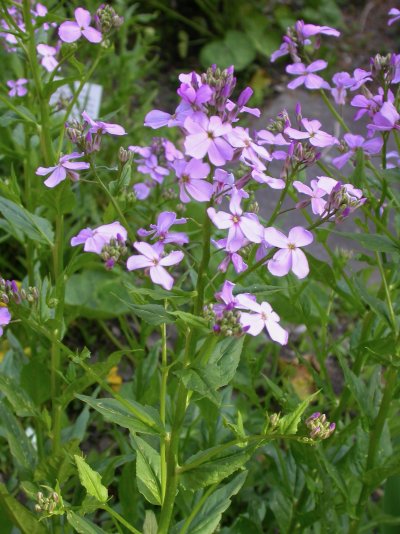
(206, 322)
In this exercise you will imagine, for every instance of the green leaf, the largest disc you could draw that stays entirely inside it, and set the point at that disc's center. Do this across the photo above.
(376, 305)
(213, 471)
(289, 423)
(148, 468)
(375, 242)
(22, 221)
(91, 480)
(321, 271)
(20, 516)
(17, 397)
(192, 320)
(209, 515)
(153, 314)
(236, 49)
(82, 525)
(21, 448)
(150, 523)
(258, 31)
(114, 412)
(175, 294)
(201, 380)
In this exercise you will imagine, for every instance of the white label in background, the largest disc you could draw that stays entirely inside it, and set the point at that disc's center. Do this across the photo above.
(89, 99)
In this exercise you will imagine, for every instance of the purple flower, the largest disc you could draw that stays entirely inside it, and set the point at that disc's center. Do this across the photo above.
(99, 127)
(370, 147)
(290, 257)
(250, 152)
(283, 50)
(394, 13)
(142, 191)
(157, 119)
(48, 60)
(225, 296)
(309, 30)
(151, 256)
(17, 87)
(360, 77)
(231, 257)
(316, 194)
(329, 184)
(5, 318)
(313, 133)
(160, 231)
(261, 178)
(241, 225)
(195, 97)
(64, 169)
(94, 240)
(223, 182)
(70, 32)
(205, 136)
(369, 104)
(305, 75)
(192, 178)
(343, 81)
(263, 316)
(150, 166)
(386, 119)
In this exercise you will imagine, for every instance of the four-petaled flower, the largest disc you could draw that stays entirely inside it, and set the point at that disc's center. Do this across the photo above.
(160, 231)
(290, 257)
(48, 60)
(100, 127)
(65, 168)
(71, 31)
(316, 194)
(354, 142)
(95, 239)
(192, 178)
(151, 257)
(262, 316)
(205, 136)
(17, 87)
(305, 75)
(313, 133)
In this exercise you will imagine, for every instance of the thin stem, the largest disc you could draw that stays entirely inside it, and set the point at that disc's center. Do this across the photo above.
(163, 399)
(333, 111)
(196, 508)
(387, 293)
(119, 518)
(202, 272)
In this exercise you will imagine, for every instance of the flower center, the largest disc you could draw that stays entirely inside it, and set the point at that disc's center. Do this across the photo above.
(210, 135)
(264, 316)
(185, 178)
(291, 246)
(235, 219)
(155, 261)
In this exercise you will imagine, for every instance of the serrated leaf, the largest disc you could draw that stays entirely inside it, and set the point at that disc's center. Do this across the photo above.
(148, 468)
(91, 480)
(288, 424)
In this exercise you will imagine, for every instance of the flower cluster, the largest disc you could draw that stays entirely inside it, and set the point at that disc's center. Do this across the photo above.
(320, 427)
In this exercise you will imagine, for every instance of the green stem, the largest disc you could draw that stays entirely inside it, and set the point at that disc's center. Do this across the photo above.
(163, 398)
(119, 518)
(202, 272)
(375, 436)
(333, 111)
(387, 293)
(196, 508)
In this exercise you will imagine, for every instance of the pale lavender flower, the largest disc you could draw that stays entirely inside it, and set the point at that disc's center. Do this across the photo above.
(251, 152)
(313, 133)
(205, 136)
(342, 81)
(360, 77)
(160, 231)
(17, 87)
(230, 257)
(223, 182)
(394, 13)
(262, 316)
(95, 239)
(369, 104)
(142, 191)
(65, 168)
(70, 31)
(310, 30)
(329, 184)
(157, 119)
(100, 127)
(151, 257)
(387, 118)
(192, 178)
(150, 166)
(305, 75)
(354, 142)
(5, 318)
(241, 225)
(261, 178)
(290, 257)
(195, 97)
(316, 194)
(48, 60)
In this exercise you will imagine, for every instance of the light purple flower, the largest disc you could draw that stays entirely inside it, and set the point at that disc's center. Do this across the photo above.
(70, 31)
(205, 136)
(160, 231)
(223, 182)
(5, 318)
(251, 152)
(241, 225)
(313, 133)
(157, 119)
(17, 87)
(48, 60)
(262, 316)
(192, 178)
(231, 257)
(65, 168)
(309, 30)
(100, 127)
(342, 81)
(354, 142)
(329, 184)
(394, 13)
(369, 104)
(261, 178)
(150, 166)
(95, 239)
(195, 97)
(290, 257)
(283, 50)
(387, 118)
(151, 256)
(305, 75)
(142, 191)
(360, 77)
(316, 194)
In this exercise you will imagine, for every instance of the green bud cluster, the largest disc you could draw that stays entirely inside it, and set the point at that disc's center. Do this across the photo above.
(107, 19)
(113, 252)
(47, 504)
(320, 427)
(9, 292)
(226, 323)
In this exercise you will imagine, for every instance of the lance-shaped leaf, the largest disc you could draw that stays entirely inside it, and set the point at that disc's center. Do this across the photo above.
(91, 480)
(148, 468)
